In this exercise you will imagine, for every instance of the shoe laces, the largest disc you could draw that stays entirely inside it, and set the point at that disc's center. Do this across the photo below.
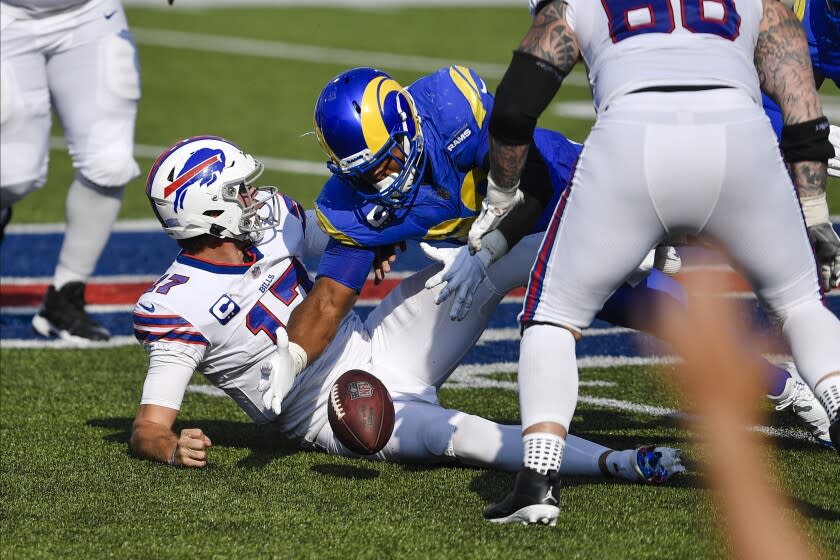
(798, 393)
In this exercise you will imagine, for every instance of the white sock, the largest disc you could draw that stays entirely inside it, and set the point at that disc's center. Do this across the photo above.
(90, 213)
(580, 457)
(548, 376)
(543, 452)
(620, 464)
(827, 392)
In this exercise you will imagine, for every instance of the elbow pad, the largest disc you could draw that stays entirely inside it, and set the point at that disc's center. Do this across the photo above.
(517, 107)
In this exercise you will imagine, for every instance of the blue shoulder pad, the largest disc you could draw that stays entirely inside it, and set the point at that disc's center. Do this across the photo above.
(350, 220)
(455, 105)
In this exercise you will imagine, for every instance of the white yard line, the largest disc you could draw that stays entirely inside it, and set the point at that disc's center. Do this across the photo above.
(477, 381)
(300, 167)
(263, 48)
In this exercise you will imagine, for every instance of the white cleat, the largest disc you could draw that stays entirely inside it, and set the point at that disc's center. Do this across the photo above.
(649, 464)
(800, 401)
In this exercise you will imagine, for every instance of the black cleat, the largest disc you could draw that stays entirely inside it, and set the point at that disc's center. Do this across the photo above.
(5, 218)
(834, 433)
(535, 499)
(63, 315)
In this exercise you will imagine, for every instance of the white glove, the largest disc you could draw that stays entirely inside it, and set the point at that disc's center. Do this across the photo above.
(834, 163)
(278, 374)
(494, 207)
(463, 271)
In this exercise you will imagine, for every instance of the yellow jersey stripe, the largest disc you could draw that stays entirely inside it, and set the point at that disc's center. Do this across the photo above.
(332, 231)
(469, 195)
(462, 78)
(799, 9)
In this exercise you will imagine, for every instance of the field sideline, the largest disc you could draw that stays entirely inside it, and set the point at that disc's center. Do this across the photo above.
(70, 489)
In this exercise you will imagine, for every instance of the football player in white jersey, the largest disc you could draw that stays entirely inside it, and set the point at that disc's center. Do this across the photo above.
(222, 307)
(680, 145)
(77, 56)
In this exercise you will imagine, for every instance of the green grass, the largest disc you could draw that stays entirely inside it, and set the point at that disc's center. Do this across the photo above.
(266, 104)
(70, 488)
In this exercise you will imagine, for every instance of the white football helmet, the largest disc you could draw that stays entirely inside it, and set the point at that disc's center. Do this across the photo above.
(204, 184)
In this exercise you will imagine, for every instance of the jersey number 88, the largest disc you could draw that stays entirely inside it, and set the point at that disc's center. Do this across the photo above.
(628, 18)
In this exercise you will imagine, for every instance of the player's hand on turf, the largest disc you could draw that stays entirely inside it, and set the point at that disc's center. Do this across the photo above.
(834, 163)
(277, 374)
(385, 257)
(462, 273)
(827, 250)
(191, 449)
(496, 205)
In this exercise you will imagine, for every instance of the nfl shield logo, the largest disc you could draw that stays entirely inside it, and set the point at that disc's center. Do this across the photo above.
(360, 390)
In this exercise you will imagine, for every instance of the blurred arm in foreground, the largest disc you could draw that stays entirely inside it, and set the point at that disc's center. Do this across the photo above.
(707, 336)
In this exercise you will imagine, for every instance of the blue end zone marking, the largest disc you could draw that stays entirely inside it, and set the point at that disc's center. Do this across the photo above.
(136, 253)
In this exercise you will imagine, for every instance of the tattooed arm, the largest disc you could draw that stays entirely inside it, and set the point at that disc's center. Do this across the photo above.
(785, 74)
(550, 40)
(543, 59)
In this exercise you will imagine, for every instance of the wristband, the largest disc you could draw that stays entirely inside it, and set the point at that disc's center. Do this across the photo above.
(807, 141)
(815, 210)
(172, 457)
(492, 185)
(299, 357)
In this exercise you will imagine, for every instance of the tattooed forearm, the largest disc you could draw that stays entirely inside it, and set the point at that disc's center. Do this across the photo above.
(550, 38)
(784, 65)
(809, 177)
(506, 163)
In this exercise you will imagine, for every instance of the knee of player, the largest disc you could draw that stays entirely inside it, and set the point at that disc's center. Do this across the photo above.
(438, 438)
(108, 169)
(20, 178)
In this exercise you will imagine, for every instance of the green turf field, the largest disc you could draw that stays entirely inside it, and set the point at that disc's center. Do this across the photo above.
(69, 488)
(265, 104)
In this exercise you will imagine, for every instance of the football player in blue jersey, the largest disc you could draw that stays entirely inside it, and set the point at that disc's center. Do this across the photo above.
(821, 21)
(410, 163)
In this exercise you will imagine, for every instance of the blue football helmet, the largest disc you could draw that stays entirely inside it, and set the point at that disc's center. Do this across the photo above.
(365, 120)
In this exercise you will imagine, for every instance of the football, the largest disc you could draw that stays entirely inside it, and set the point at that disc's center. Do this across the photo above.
(361, 412)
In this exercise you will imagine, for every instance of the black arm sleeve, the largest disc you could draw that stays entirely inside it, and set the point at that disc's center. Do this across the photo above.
(528, 86)
(521, 219)
(535, 179)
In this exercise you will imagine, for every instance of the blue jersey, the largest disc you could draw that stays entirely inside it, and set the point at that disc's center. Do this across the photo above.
(454, 106)
(822, 29)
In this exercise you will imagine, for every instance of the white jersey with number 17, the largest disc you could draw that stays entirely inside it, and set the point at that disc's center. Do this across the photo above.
(222, 320)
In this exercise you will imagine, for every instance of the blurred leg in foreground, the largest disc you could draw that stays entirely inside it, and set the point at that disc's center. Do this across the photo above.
(710, 336)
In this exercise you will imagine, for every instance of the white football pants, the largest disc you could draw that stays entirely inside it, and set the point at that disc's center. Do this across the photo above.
(85, 60)
(660, 164)
(415, 347)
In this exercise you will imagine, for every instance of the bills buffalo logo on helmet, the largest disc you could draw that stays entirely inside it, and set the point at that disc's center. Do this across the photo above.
(360, 390)
(204, 167)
